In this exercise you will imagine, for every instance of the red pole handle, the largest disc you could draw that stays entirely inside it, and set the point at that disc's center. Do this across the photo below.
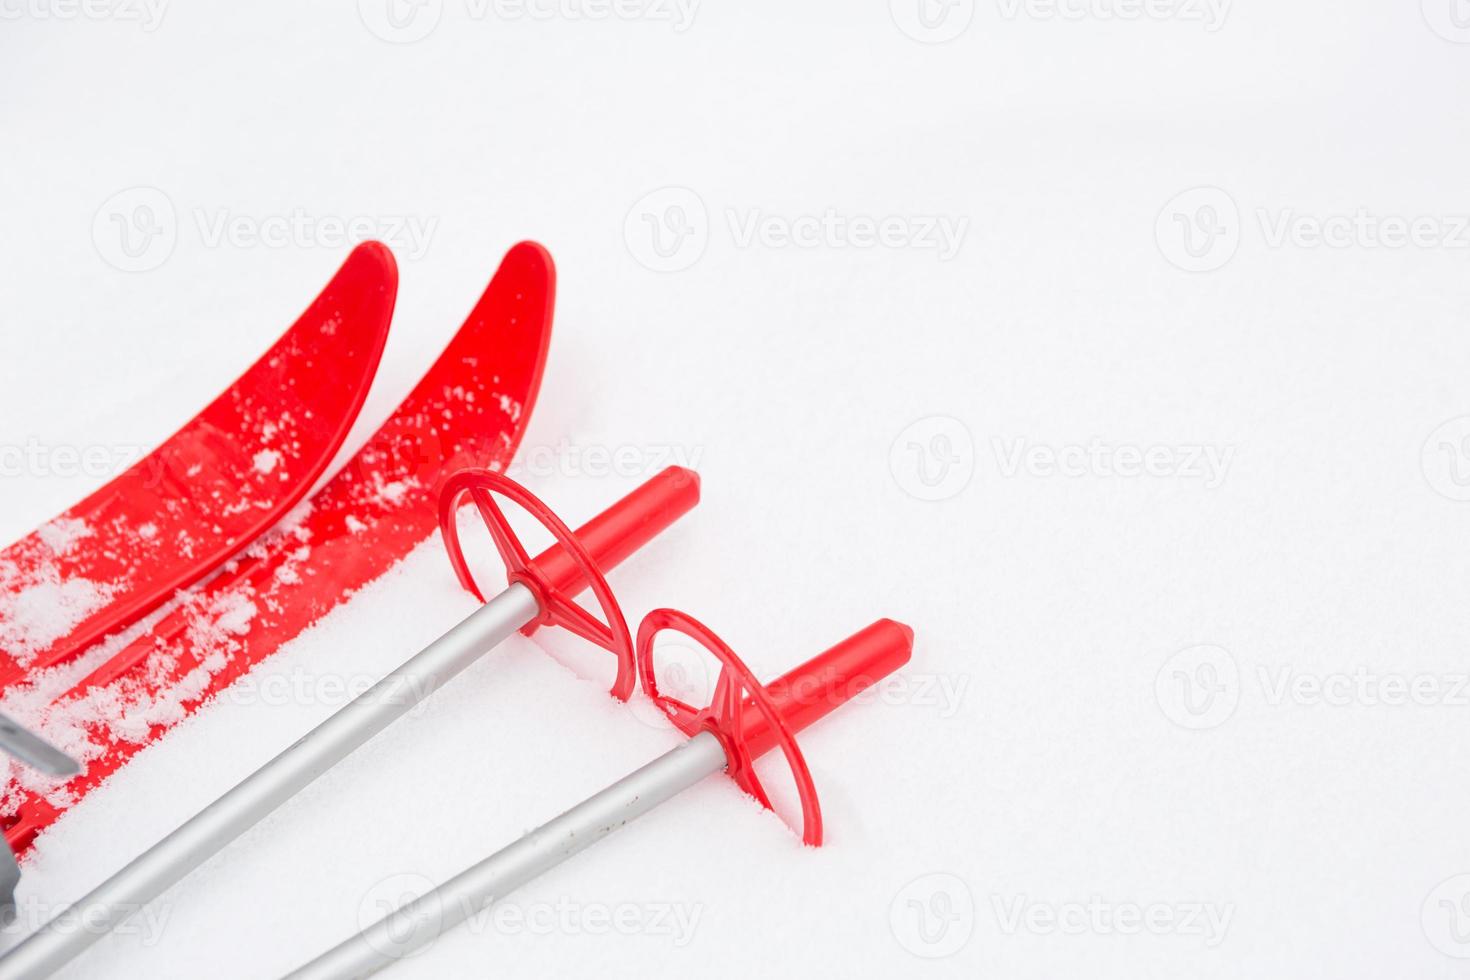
(829, 680)
(623, 528)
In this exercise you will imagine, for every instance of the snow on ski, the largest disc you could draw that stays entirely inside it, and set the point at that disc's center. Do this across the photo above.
(469, 410)
(219, 482)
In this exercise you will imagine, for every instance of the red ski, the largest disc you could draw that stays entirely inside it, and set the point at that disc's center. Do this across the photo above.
(469, 410)
(223, 479)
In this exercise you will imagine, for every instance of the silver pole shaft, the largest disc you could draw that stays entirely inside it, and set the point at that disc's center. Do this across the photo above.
(423, 920)
(40, 754)
(34, 750)
(205, 834)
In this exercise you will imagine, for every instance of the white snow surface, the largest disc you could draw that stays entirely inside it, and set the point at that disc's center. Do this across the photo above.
(1035, 764)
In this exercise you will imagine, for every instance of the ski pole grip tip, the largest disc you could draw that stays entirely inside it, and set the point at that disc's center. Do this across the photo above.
(831, 679)
(623, 528)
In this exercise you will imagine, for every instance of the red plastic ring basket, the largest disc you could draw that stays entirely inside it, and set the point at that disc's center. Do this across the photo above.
(724, 716)
(557, 607)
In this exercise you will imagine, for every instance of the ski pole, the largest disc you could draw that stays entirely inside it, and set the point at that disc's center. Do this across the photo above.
(538, 593)
(728, 736)
(36, 752)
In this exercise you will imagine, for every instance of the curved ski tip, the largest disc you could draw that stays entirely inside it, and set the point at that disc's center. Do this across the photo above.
(530, 252)
(373, 257)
